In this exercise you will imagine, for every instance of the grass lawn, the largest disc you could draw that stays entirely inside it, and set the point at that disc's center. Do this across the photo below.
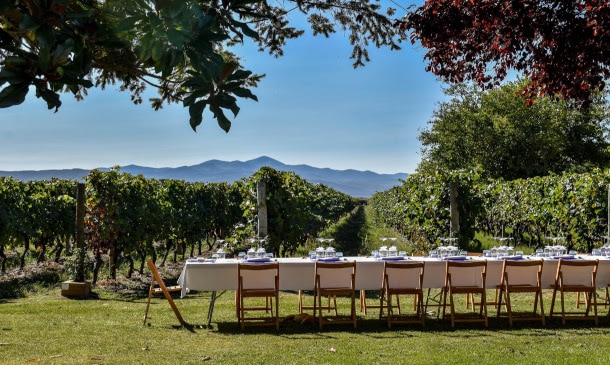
(46, 328)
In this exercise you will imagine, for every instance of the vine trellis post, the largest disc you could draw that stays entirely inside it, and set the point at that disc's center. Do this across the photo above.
(454, 227)
(80, 230)
(261, 203)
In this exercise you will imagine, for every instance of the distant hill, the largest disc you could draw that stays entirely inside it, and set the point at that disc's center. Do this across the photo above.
(361, 184)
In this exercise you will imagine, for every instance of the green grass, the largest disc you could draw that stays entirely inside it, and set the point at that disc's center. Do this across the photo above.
(107, 329)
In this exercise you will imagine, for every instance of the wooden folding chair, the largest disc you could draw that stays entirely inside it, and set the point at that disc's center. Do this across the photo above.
(576, 276)
(470, 302)
(258, 281)
(465, 277)
(522, 277)
(161, 289)
(330, 305)
(601, 301)
(404, 278)
(335, 279)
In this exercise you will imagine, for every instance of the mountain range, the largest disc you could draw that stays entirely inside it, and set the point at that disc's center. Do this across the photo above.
(360, 184)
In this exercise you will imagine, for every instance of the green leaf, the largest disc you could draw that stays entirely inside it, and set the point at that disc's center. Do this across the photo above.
(240, 75)
(158, 51)
(61, 53)
(244, 93)
(176, 38)
(197, 108)
(205, 21)
(245, 29)
(29, 23)
(163, 4)
(13, 94)
(51, 98)
(223, 122)
(196, 121)
(228, 102)
(127, 24)
(12, 77)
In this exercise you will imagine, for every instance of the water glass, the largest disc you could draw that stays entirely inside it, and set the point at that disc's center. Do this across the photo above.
(494, 251)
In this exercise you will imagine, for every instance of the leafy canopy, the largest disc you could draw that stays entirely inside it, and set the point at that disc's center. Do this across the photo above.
(498, 132)
(562, 46)
(179, 47)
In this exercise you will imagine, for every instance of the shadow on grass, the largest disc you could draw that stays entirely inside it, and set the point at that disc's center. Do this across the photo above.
(377, 329)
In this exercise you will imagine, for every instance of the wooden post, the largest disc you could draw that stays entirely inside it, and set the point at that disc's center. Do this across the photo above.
(261, 202)
(454, 229)
(80, 230)
(79, 287)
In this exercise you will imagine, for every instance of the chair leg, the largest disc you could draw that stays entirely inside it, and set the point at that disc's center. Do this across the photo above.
(390, 310)
(552, 303)
(563, 310)
(148, 305)
(509, 308)
(452, 309)
(363, 301)
(542, 317)
(484, 305)
(499, 307)
(335, 302)
(353, 308)
(277, 312)
(381, 298)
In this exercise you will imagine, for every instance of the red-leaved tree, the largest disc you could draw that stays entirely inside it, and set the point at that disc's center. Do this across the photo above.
(562, 46)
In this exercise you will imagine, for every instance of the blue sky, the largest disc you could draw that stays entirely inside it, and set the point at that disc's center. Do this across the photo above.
(313, 109)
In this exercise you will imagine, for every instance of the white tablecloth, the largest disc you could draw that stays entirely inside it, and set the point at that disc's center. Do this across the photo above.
(298, 274)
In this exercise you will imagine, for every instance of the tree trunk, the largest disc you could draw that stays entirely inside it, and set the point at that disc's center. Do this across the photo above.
(142, 256)
(98, 265)
(58, 250)
(3, 257)
(112, 261)
(168, 246)
(42, 251)
(26, 248)
(131, 265)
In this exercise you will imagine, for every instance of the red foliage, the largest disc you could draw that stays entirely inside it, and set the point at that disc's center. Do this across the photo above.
(562, 46)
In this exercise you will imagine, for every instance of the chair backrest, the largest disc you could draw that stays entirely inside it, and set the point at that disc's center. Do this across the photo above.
(523, 272)
(258, 276)
(157, 278)
(336, 274)
(465, 273)
(404, 274)
(577, 272)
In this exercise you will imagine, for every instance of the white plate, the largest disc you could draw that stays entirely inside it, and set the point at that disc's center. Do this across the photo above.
(392, 258)
(258, 259)
(329, 259)
(456, 258)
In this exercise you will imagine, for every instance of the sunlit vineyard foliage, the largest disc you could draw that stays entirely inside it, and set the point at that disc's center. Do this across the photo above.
(130, 218)
(574, 206)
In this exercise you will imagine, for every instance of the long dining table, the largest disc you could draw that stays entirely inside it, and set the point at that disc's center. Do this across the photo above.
(298, 273)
